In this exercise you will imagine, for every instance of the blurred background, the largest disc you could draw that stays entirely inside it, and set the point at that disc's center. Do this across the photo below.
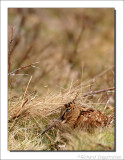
(69, 44)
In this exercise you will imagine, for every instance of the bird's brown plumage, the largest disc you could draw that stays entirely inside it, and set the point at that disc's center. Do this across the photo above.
(81, 117)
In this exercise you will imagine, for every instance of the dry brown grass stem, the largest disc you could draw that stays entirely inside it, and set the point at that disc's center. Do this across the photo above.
(23, 101)
(99, 91)
(95, 77)
(22, 67)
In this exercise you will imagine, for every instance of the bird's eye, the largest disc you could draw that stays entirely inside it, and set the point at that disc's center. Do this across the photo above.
(68, 109)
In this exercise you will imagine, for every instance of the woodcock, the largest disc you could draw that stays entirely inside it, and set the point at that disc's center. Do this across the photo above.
(82, 117)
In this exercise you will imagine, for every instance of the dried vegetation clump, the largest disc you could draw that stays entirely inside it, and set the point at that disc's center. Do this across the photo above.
(54, 55)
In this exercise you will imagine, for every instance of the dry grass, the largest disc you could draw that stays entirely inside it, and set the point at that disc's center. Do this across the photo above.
(35, 116)
(75, 58)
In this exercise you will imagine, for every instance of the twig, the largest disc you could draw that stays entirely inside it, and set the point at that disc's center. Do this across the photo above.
(90, 90)
(78, 41)
(75, 97)
(23, 103)
(91, 85)
(18, 114)
(15, 38)
(74, 52)
(106, 106)
(26, 90)
(99, 91)
(95, 77)
(22, 67)
(10, 47)
(19, 74)
(108, 101)
(25, 54)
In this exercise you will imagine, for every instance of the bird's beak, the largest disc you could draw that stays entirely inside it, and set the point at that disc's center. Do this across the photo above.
(52, 125)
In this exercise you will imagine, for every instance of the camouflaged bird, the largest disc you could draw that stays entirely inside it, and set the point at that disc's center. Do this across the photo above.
(82, 117)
